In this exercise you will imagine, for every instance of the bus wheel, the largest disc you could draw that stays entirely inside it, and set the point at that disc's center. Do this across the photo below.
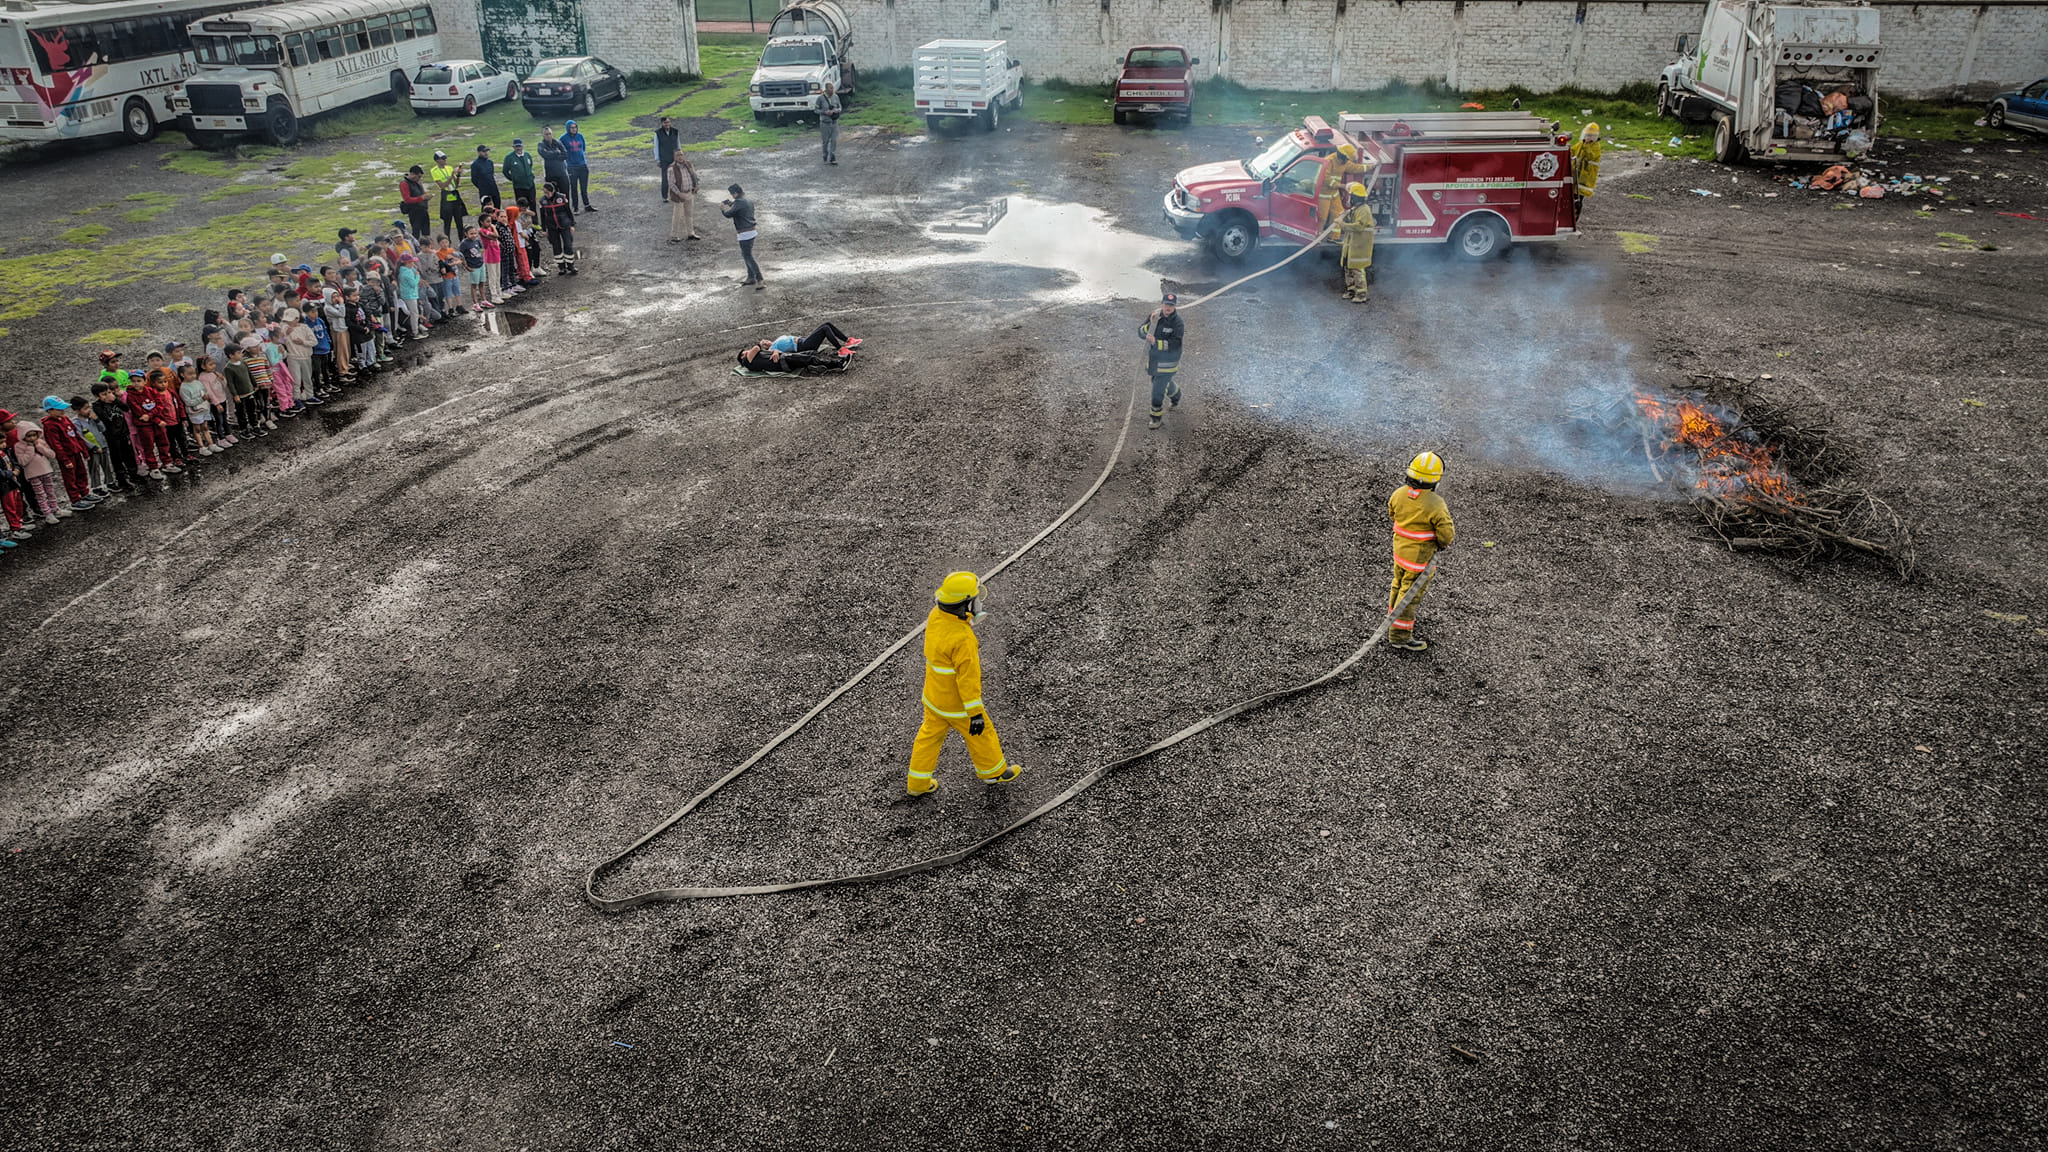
(1480, 238)
(137, 122)
(280, 123)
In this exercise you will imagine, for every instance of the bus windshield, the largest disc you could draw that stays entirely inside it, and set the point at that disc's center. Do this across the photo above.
(248, 51)
(1272, 160)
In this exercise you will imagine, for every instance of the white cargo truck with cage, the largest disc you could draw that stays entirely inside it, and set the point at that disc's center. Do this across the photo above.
(265, 71)
(962, 81)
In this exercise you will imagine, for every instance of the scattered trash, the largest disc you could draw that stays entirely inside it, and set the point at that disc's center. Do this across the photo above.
(1922, 748)
(1979, 123)
(621, 1044)
(2021, 215)
(1967, 151)
(1871, 192)
(1704, 192)
(1486, 543)
(1585, 111)
(1770, 195)
(934, 1041)
(1468, 1056)
(1676, 142)
(1477, 108)
(1974, 403)
(1636, 196)
(1329, 1123)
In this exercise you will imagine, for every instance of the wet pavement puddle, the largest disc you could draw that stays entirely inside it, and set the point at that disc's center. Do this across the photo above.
(503, 322)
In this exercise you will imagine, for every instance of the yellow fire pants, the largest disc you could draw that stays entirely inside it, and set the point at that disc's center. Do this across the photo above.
(985, 750)
(1404, 624)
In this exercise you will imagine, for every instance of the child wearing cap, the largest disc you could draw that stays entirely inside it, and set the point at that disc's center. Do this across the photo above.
(85, 422)
(62, 437)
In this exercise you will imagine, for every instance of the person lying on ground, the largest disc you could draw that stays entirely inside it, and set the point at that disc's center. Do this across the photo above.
(823, 335)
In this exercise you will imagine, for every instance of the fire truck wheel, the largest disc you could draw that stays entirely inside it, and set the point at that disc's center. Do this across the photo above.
(1480, 238)
(1234, 236)
(138, 124)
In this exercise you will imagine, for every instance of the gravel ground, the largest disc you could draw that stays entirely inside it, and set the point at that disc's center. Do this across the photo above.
(1657, 846)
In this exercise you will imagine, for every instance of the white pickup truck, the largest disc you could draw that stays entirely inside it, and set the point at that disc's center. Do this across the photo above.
(1788, 81)
(961, 80)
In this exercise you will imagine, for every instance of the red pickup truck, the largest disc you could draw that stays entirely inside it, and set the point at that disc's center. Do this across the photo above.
(1156, 80)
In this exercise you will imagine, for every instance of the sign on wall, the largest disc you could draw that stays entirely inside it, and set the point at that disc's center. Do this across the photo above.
(516, 33)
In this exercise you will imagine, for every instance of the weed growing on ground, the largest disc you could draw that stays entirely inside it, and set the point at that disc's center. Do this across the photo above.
(113, 337)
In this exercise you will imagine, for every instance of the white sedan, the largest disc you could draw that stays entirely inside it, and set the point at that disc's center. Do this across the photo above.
(460, 86)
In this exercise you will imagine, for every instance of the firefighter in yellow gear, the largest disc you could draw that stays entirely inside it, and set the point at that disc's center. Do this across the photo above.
(1586, 159)
(1356, 230)
(952, 690)
(1341, 169)
(1422, 526)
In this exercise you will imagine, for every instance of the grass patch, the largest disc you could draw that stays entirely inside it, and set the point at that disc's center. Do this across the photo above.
(78, 301)
(227, 191)
(211, 165)
(84, 234)
(178, 309)
(1636, 243)
(113, 337)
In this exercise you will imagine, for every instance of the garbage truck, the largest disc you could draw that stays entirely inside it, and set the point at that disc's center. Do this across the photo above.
(807, 49)
(1785, 81)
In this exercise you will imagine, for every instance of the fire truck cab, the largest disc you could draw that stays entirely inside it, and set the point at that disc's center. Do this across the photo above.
(1476, 180)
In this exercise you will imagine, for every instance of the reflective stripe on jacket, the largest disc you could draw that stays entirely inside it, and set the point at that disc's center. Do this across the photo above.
(1422, 524)
(952, 666)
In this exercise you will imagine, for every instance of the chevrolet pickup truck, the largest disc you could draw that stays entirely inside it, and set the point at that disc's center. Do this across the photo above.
(1155, 80)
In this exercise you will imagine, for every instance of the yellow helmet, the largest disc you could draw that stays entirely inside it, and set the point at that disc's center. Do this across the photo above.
(1589, 133)
(1356, 189)
(1348, 151)
(1428, 468)
(959, 588)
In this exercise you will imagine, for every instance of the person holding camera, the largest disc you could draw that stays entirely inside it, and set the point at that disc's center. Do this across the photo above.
(740, 211)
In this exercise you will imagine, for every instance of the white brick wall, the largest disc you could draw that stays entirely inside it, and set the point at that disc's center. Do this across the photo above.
(1539, 44)
(630, 34)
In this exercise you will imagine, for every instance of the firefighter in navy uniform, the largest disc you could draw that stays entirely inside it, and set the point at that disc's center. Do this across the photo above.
(1422, 526)
(1163, 331)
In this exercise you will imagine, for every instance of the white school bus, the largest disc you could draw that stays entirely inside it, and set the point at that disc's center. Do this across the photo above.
(265, 71)
(73, 70)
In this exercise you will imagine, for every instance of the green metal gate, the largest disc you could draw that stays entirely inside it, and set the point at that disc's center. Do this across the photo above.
(516, 33)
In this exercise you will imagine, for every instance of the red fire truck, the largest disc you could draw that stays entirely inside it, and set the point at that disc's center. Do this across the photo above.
(1478, 180)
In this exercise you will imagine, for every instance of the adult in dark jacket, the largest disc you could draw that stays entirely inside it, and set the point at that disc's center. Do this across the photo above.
(740, 211)
(554, 159)
(483, 176)
(579, 165)
(667, 139)
(412, 199)
(518, 171)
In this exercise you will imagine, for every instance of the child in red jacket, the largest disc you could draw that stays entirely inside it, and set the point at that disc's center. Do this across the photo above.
(62, 437)
(149, 413)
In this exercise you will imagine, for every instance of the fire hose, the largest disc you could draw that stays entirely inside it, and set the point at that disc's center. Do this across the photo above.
(671, 895)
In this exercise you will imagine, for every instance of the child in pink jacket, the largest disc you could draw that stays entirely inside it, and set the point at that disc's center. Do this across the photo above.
(39, 463)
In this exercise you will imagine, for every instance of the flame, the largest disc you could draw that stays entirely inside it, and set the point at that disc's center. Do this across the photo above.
(1728, 461)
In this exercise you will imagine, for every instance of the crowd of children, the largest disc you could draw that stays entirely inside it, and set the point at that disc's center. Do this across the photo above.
(265, 356)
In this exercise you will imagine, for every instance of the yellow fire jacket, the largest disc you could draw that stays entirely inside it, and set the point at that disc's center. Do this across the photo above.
(1422, 524)
(1585, 165)
(952, 666)
(1357, 234)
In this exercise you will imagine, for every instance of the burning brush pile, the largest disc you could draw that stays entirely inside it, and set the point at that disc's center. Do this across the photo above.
(1733, 454)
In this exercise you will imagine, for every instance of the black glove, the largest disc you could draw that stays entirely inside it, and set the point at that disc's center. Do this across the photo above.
(975, 725)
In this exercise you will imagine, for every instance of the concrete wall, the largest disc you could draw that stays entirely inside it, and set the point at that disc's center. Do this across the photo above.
(631, 34)
(1934, 48)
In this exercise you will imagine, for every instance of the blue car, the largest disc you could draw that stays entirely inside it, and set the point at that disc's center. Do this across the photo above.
(2025, 108)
